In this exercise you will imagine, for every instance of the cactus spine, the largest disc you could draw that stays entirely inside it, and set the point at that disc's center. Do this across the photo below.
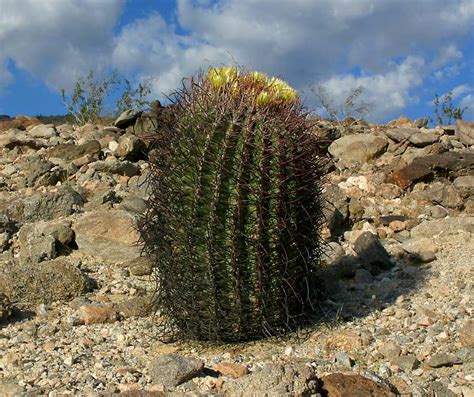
(234, 211)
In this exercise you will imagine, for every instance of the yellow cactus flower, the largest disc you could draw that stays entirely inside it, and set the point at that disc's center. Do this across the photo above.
(263, 98)
(281, 90)
(258, 77)
(221, 76)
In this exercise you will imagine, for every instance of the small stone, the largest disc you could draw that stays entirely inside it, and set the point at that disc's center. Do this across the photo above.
(172, 370)
(443, 360)
(363, 276)
(343, 358)
(406, 363)
(423, 139)
(397, 226)
(373, 255)
(231, 370)
(437, 212)
(390, 350)
(69, 360)
(466, 334)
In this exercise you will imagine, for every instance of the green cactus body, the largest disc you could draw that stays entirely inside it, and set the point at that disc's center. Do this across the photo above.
(234, 209)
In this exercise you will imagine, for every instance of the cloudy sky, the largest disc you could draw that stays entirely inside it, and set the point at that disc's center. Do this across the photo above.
(401, 51)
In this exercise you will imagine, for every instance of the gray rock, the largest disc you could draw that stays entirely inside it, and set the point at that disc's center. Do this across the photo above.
(406, 363)
(46, 282)
(465, 132)
(422, 139)
(5, 307)
(131, 148)
(116, 167)
(140, 184)
(336, 208)
(439, 390)
(390, 350)
(465, 183)
(363, 276)
(360, 148)
(126, 118)
(39, 241)
(401, 134)
(46, 206)
(133, 204)
(141, 266)
(421, 122)
(110, 235)
(372, 254)
(437, 211)
(422, 249)
(443, 360)
(43, 131)
(10, 389)
(275, 380)
(172, 370)
(16, 138)
(343, 359)
(70, 151)
(443, 194)
(445, 226)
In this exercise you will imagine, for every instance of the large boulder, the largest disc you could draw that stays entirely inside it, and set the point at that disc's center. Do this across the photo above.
(46, 206)
(465, 132)
(110, 235)
(42, 240)
(359, 148)
(46, 282)
(70, 151)
(445, 226)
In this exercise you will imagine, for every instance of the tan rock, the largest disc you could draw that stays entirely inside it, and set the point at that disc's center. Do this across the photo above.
(344, 341)
(95, 314)
(232, 370)
(466, 334)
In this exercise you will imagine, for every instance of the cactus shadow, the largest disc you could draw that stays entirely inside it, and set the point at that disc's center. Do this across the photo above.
(353, 288)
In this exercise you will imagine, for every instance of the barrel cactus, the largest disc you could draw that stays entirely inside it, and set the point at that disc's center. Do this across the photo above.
(234, 210)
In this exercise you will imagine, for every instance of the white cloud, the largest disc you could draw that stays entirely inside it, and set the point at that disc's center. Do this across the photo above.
(460, 90)
(388, 93)
(387, 41)
(56, 40)
(468, 102)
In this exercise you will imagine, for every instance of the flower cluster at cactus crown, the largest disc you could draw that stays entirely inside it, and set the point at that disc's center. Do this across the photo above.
(268, 90)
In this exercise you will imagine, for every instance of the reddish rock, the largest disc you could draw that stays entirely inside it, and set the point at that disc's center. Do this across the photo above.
(232, 370)
(339, 385)
(95, 314)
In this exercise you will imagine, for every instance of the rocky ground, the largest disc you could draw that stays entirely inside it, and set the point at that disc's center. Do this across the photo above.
(396, 318)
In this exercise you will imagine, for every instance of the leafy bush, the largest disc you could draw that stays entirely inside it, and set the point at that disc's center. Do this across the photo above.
(234, 211)
(88, 99)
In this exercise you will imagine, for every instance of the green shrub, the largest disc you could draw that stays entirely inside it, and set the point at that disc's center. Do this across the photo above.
(445, 111)
(234, 211)
(88, 99)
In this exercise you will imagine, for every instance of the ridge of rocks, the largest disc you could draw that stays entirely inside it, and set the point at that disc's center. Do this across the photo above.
(396, 318)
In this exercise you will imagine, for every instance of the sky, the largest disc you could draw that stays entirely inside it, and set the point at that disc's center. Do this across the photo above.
(402, 52)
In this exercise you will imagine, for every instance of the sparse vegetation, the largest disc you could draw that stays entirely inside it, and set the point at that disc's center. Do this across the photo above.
(352, 106)
(88, 100)
(445, 111)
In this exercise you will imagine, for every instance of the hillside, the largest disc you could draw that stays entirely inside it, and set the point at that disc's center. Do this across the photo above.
(395, 319)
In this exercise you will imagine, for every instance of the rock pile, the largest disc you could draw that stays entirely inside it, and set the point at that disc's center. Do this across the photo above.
(75, 293)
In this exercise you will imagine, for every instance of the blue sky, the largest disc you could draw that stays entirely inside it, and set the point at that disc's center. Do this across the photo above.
(401, 51)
